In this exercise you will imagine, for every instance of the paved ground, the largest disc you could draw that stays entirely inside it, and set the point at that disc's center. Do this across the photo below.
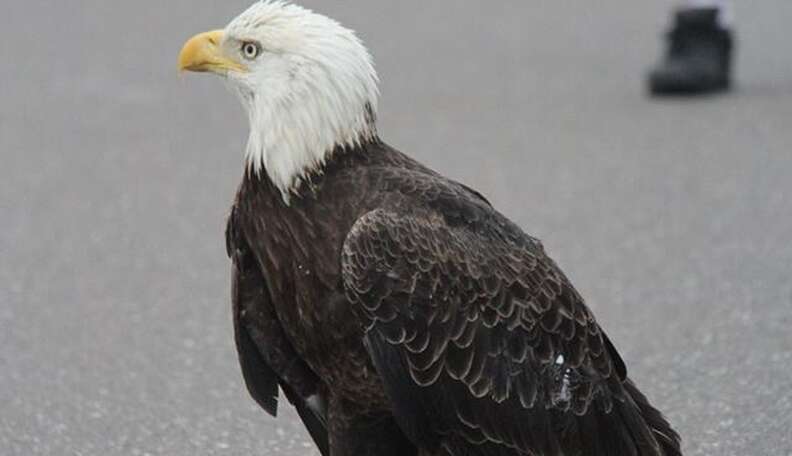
(674, 218)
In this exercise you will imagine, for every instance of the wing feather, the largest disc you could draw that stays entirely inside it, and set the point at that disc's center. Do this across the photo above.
(262, 349)
(480, 338)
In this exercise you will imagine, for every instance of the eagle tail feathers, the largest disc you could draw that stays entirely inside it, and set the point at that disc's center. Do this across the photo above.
(661, 430)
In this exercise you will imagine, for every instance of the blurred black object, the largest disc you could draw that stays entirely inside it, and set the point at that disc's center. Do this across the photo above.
(699, 57)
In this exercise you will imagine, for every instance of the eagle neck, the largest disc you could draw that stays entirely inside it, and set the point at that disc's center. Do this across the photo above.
(340, 157)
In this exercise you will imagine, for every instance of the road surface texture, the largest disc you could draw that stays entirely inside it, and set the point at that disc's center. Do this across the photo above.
(673, 218)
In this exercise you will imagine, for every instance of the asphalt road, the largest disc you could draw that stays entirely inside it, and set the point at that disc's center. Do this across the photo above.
(673, 218)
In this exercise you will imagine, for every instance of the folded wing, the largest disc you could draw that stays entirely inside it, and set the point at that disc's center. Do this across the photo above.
(483, 344)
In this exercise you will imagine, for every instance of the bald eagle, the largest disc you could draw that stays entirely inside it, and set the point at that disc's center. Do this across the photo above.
(396, 309)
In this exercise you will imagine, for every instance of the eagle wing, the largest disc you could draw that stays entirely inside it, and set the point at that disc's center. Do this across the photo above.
(267, 359)
(480, 339)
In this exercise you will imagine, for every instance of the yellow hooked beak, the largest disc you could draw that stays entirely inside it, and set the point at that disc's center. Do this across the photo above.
(202, 53)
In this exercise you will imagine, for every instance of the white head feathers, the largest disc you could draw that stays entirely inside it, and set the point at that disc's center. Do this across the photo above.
(310, 88)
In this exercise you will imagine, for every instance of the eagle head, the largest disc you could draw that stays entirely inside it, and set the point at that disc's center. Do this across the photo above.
(308, 85)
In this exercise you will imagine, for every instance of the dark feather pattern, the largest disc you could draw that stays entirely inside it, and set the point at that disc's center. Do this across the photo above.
(258, 355)
(403, 297)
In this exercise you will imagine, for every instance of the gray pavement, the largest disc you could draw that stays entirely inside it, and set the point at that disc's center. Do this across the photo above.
(674, 218)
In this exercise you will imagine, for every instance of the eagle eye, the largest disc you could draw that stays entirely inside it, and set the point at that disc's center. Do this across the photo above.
(250, 50)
